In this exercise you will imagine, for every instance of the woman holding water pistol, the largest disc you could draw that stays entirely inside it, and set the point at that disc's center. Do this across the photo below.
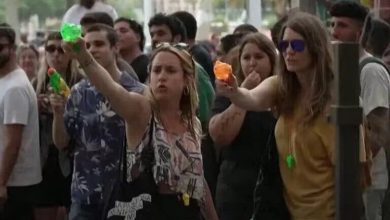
(241, 136)
(301, 94)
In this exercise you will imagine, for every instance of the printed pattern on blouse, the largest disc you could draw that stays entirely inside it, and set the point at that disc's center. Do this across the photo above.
(177, 164)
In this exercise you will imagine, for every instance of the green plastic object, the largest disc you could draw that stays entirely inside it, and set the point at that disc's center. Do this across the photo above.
(290, 161)
(58, 83)
(70, 32)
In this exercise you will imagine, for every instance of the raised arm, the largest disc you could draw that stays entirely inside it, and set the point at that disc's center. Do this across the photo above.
(126, 104)
(225, 126)
(261, 98)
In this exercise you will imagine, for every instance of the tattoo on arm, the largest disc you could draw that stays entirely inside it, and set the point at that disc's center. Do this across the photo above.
(226, 119)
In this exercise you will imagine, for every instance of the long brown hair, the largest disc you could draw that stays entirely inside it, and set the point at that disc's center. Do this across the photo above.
(317, 42)
(72, 75)
(264, 44)
(189, 99)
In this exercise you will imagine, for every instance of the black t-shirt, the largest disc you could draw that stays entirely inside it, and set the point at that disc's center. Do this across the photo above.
(241, 159)
(204, 59)
(125, 67)
(140, 66)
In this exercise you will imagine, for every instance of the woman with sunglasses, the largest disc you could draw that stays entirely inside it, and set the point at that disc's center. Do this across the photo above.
(301, 93)
(242, 135)
(55, 187)
(170, 106)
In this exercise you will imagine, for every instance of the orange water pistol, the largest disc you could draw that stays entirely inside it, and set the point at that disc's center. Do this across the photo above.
(222, 71)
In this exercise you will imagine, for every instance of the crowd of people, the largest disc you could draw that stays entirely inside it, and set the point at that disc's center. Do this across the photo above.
(258, 145)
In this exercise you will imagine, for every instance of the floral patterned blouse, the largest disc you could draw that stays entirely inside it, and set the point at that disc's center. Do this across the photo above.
(178, 162)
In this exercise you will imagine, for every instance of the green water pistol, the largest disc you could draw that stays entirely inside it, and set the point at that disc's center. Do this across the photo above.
(58, 83)
(70, 32)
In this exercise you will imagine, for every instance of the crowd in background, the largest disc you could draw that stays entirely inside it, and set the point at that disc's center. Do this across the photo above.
(258, 145)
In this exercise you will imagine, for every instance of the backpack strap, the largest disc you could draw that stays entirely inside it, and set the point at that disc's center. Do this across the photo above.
(372, 59)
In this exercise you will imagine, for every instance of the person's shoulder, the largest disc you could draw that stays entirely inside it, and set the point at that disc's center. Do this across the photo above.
(17, 78)
(144, 57)
(73, 9)
(126, 67)
(130, 83)
(71, 14)
(198, 48)
(80, 85)
(141, 59)
(370, 62)
(199, 51)
(375, 70)
(18, 87)
(374, 66)
(274, 80)
(101, 6)
(200, 70)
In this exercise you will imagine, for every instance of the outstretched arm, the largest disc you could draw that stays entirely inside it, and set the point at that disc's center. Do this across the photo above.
(126, 104)
(261, 98)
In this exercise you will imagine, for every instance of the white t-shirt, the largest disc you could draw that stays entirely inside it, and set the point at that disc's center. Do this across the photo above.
(18, 105)
(375, 92)
(76, 12)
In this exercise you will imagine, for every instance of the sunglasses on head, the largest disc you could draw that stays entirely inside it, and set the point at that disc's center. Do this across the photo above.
(296, 45)
(52, 48)
(180, 46)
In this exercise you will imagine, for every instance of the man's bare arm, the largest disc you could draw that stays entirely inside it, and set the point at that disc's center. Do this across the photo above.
(377, 123)
(13, 140)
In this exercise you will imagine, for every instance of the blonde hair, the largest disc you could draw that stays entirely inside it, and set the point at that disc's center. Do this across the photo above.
(317, 43)
(189, 99)
(72, 75)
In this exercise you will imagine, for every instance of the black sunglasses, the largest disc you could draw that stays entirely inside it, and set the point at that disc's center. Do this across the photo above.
(52, 48)
(296, 45)
(2, 46)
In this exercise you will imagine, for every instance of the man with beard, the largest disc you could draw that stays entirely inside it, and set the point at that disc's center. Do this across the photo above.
(20, 169)
(77, 11)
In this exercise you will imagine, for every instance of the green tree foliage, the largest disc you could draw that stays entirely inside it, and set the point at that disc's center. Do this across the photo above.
(43, 8)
